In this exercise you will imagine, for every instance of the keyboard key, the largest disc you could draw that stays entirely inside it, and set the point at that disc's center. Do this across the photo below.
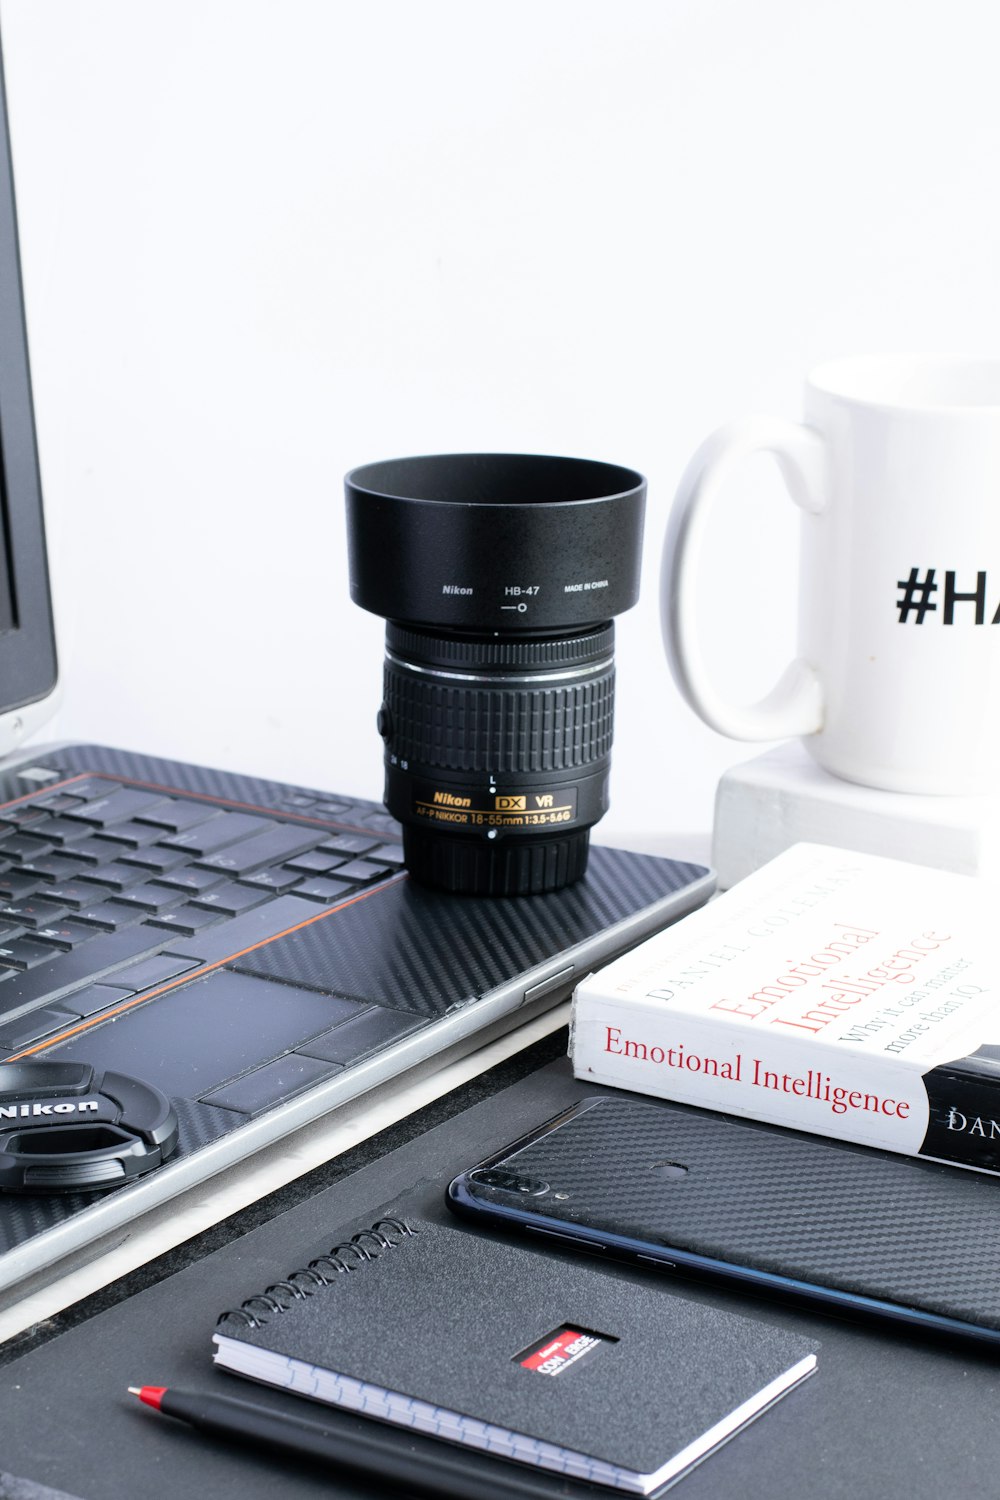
(109, 915)
(186, 919)
(387, 854)
(67, 893)
(231, 899)
(118, 807)
(175, 815)
(117, 876)
(53, 867)
(270, 848)
(58, 802)
(92, 851)
(25, 953)
(66, 934)
(328, 809)
(349, 843)
(15, 886)
(32, 913)
(362, 869)
(60, 831)
(21, 846)
(219, 833)
(275, 880)
(191, 880)
(148, 897)
(316, 862)
(89, 787)
(130, 835)
(20, 817)
(157, 860)
(322, 889)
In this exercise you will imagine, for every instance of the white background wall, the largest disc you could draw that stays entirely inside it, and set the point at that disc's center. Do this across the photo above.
(267, 240)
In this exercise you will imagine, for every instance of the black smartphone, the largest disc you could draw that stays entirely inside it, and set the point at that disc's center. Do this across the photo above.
(839, 1227)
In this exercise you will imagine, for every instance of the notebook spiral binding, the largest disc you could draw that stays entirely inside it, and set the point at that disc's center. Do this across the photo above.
(367, 1245)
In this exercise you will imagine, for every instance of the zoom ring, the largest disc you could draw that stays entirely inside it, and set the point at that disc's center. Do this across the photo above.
(499, 729)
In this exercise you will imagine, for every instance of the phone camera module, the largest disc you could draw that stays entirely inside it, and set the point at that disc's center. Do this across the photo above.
(510, 1182)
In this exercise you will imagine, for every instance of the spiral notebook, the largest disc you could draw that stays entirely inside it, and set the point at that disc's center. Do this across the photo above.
(503, 1348)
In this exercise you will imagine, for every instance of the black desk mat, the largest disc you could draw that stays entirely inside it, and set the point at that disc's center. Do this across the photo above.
(886, 1415)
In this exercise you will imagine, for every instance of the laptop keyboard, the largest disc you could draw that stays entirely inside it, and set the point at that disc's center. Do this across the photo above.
(108, 889)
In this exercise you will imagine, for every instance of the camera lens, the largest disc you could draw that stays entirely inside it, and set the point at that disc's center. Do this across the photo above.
(509, 1182)
(499, 576)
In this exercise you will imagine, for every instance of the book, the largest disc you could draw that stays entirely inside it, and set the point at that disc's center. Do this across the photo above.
(839, 993)
(504, 1348)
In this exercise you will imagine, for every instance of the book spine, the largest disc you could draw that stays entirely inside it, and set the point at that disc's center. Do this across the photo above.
(949, 1113)
(964, 1112)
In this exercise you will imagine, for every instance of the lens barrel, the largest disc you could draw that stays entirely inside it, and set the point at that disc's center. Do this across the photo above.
(498, 575)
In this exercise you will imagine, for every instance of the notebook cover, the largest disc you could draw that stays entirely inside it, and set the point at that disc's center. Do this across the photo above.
(443, 1315)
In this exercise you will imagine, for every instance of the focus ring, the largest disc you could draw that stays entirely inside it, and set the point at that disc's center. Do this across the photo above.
(500, 729)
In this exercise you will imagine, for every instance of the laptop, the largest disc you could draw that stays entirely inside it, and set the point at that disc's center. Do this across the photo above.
(254, 951)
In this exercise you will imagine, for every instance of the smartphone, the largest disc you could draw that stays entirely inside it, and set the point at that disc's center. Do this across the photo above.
(840, 1228)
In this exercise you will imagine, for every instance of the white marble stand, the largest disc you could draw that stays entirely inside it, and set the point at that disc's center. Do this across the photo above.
(782, 797)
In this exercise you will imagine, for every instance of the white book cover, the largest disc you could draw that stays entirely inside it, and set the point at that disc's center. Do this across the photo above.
(830, 991)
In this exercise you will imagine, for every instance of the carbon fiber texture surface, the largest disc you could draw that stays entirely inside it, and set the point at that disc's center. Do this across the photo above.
(21, 1218)
(415, 950)
(872, 1224)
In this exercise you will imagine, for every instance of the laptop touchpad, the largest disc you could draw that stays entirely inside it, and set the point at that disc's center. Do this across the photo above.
(189, 1040)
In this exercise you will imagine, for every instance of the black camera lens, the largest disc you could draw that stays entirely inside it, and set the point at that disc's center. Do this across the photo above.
(499, 576)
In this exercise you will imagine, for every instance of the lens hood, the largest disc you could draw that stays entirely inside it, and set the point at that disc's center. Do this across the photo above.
(503, 542)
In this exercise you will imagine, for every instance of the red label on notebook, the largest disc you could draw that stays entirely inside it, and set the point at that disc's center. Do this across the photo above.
(560, 1349)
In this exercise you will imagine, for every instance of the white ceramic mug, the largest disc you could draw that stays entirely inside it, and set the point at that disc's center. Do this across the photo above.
(896, 472)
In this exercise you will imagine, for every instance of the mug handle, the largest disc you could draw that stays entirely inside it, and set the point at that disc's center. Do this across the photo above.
(794, 705)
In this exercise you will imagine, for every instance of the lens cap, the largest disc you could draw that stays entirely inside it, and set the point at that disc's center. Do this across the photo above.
(65, 1128)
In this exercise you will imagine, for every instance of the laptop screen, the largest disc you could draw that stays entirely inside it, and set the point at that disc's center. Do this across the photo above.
(27, 642)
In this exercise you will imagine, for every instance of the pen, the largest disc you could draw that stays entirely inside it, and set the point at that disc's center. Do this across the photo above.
(438, 1470)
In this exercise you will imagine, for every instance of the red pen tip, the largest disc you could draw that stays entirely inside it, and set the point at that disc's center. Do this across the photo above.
(152, 1394)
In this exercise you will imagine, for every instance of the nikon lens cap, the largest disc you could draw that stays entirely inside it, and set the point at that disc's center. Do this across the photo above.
(65, 1128)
